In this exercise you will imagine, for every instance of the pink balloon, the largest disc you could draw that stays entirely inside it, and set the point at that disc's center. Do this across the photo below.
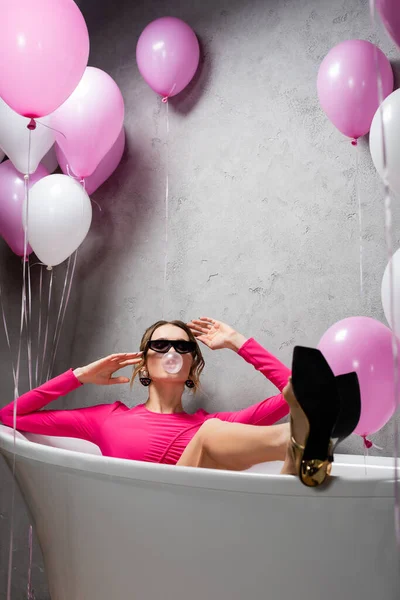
(167, 55)
(105, 169)
(12, 195)
(348, 88)
(389, 11)
(89, 121)
(364, 345)
(44, 49)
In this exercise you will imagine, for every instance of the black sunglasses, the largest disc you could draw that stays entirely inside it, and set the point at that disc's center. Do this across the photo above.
(163, 346)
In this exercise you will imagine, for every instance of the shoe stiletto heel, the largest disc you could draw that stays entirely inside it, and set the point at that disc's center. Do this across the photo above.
(315, 389)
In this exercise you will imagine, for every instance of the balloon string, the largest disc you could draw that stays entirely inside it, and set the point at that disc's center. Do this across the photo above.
(11, 542)
(29, 326)
(360, 222)
(28, 309)
(30, 592)
(170, 93)
(71, 174)
(64, 311)
(83, 184)
(6, 333)
(365, 455)
(82, 181)
(97, 204)
(46, 334)
(52, 128)
(389, 247)
(39, 326)
(17, 369)
(58, 318)
(166, 211)
(69, 274)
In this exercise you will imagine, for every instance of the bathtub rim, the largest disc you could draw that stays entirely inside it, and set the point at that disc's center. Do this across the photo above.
(260, 483)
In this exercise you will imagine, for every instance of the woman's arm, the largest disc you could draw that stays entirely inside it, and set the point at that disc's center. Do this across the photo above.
(82, 423)
(36, 399)
(270, 410)
(29, 417)
(265, 362)
(216, 335)
(266, 412)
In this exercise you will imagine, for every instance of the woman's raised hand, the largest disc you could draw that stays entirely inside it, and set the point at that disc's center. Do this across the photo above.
(215, 334)
(101, 371)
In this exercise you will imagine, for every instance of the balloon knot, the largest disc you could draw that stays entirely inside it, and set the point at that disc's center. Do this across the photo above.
(367, 443)
(165, 99)
(49, 268)
(354, 142)
(31, 125)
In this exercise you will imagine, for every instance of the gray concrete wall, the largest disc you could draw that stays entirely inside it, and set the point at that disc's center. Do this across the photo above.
(263, 229)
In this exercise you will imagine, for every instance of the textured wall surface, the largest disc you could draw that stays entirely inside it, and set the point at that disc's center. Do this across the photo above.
(263, 227)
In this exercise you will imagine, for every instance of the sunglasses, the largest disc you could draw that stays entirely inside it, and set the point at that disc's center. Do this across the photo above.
(163, 346)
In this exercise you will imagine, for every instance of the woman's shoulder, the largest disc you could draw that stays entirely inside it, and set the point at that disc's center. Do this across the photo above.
(201, 413)
(119, 407)
(109, 409)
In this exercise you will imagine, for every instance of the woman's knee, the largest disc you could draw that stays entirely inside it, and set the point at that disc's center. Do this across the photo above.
(208, 429)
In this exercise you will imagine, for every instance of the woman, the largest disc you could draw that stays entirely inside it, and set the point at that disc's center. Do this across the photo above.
(160, 431)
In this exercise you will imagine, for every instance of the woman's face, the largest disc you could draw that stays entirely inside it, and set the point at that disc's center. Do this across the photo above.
(154, 359)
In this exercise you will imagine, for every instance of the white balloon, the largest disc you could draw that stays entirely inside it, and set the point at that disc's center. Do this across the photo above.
(59, 218)
(390, 108)
(2, 155)
(49, 161)
(385, 292)
(14, 139)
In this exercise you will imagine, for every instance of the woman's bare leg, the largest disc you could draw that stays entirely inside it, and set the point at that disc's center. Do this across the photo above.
(235, 446)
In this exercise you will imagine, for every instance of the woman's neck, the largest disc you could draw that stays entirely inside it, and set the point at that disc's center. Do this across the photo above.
(165, 399)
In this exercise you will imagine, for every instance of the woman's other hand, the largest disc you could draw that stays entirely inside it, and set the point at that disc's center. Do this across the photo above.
(215, 334)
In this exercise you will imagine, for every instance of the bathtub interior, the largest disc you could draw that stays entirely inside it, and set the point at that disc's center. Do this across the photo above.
(64, 443)
(73, 444)
(345, 466)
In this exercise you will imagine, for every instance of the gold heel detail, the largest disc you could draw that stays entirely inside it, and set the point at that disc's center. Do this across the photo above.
(297, 451)
(313, 472)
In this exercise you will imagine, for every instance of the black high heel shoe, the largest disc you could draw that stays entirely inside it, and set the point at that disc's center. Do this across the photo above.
(315, 389)
(350, 408)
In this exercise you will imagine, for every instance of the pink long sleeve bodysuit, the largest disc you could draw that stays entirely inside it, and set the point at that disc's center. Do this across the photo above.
(136, 433)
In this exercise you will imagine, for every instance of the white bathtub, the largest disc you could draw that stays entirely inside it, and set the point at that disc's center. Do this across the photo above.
(121, 530)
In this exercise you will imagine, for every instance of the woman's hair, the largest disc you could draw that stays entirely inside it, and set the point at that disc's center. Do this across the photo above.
(198, 360)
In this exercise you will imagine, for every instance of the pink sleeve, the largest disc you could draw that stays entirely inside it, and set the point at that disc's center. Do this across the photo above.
(267, 363)
(269, 410)
(82, 423)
